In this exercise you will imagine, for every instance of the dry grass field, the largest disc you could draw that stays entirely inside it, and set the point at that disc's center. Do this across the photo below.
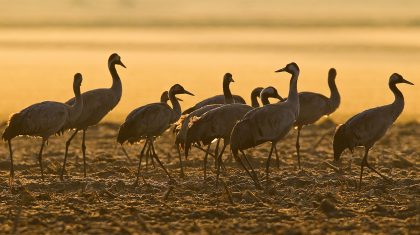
(315, 200)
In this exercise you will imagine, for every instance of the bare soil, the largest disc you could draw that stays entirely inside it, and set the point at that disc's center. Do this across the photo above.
(314, 200)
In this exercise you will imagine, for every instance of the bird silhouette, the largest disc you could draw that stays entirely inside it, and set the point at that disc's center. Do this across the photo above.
(367, 127)
(268, 123)
(43, 120)
(96, 105)
(218, 124)
(226, 98)
(150, 121)
(313, 106)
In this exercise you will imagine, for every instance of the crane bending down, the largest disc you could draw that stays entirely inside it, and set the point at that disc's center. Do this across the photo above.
(313, 106)
(43, 120)
(367, 127)
(226, 98)
(218, 124)
(268, 123)
(150, 121)
(96, 105)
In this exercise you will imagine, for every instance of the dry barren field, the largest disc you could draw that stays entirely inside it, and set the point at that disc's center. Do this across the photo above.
(315, 200)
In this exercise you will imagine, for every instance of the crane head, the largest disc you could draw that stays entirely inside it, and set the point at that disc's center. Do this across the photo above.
(340, 142)
(164, 98)
(291, 68)
(115, 59)
(228, 78)
(397, 78)
(332, 73)
(271, 92)
(78, 79)
(178, 89)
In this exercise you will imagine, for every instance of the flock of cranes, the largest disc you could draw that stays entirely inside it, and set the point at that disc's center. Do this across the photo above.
(222, 118)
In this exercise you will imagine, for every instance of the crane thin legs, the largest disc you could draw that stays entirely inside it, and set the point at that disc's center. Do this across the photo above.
(157, 159)
(253, 175)
(219, 161)
(126, 154)
(205, 162)
(277, 157)
(40, 158)
(66, 153)
(365, 163)
(273, 145)
(12, 171)
(140, 158)
(298, 145)
(180, 161)
(216, 153)
(84, 152)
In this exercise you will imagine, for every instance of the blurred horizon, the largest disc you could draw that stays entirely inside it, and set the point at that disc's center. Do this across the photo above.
(194, 43)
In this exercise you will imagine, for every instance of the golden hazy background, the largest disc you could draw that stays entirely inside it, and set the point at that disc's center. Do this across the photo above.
(43, 43)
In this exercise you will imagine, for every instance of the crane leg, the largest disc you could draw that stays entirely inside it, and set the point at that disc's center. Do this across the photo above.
(140, 158)
(374, 170)
(277, 157)
(219, 160)
(160, 163)
(364, 161)
(216, 153)
(254, 175)
(298, 145)
(84, 152)
(148, 153)
(12, 171)
(180, 162)
(126, 154)
(40, 158)
(205, 162)
(267, 173)
(66, 153)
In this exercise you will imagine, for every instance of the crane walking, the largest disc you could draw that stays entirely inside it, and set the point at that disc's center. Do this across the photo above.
(43, 120)
(367, 127)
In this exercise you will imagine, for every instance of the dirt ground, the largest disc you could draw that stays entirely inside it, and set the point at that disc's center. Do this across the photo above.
(314, 200)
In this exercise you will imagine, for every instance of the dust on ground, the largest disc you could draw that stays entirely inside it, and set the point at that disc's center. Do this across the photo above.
(316, 199)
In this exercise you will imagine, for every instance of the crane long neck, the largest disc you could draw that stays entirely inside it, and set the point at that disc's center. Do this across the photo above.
(264, 99)
(254, 100)
(335, 98)
(293, 93)
(398, 104)
(176, 107)
(116, 81)
(77, 108)
(227, 93)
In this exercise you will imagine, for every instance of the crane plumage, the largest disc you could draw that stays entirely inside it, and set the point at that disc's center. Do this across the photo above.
(43, 120)
(150, 121)
(226, 98)
(268, 123)
(218, 124)
(313, 106)
(367, 127)
(254, 95)
(97, 104)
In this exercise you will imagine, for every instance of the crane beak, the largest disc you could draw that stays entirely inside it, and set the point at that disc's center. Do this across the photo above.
(121, 63)
(188, 93)
(280, 70)
(179, 99)
(280, 98)
(231, 80)
(408, 82)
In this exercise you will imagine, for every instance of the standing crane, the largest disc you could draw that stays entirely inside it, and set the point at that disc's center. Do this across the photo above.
(313, 106)
(367, 127)
(43, 120)
(218, 124)
(226, 98)
(97, 104)
(150, 121)
(268, 123)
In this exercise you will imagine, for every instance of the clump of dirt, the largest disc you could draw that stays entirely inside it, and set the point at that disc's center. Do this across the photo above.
(320, 198)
